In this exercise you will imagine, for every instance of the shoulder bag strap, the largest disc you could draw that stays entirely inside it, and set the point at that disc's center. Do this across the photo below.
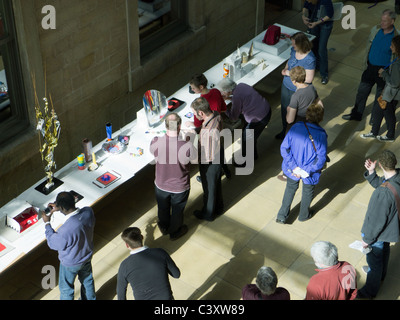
(310, 136)
(396, 196)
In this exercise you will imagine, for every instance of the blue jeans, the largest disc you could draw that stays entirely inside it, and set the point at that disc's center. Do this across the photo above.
(322, 33)
(377, 260)
(67, 278)
(390, 117)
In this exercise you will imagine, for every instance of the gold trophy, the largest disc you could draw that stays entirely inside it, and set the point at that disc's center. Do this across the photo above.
(49, 129)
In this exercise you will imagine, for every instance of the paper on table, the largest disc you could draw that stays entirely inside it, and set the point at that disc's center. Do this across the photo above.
(301, 172)
(358, 245)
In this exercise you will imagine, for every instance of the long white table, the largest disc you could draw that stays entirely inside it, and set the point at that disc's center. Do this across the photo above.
(124, 165)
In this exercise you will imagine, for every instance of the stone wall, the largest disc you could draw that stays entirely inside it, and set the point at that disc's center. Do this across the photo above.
(85, 64)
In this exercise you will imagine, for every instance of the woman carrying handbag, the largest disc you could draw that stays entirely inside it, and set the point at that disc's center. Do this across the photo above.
(389, 99)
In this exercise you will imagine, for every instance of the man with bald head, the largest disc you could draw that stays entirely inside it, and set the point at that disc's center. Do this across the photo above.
(172, 176)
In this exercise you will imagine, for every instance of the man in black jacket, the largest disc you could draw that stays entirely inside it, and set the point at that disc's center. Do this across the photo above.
(381, 223)
(146, 269)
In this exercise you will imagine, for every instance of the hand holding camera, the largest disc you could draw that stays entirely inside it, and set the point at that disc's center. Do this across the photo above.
(47, 213)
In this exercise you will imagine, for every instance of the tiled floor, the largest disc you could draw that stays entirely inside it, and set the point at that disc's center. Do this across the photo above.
(218, 258)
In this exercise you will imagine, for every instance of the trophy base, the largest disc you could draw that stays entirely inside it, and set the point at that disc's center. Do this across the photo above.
(46, 189)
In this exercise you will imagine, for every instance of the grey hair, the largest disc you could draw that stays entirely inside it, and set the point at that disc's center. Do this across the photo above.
(390, 13)
(226, 85)
(266, 280)
(324, 253)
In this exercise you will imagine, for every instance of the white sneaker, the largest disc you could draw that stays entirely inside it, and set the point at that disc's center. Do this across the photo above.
(369, 135)
(384, 139)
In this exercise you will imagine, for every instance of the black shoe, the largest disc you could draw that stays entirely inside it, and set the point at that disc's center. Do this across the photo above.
(351, 117)
(280, 221)
(181, 231)
(198, 178)
(324, 80)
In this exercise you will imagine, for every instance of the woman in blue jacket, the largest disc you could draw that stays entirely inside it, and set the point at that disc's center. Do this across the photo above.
(304, 152)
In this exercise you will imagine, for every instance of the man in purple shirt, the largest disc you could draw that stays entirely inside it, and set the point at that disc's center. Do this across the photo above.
(255, 109)
(172, 176)
(74, 243)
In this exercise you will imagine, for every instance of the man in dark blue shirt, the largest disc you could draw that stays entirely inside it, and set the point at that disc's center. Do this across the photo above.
(378, 56)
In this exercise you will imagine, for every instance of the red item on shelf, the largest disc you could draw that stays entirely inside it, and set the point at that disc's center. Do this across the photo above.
(27, 218)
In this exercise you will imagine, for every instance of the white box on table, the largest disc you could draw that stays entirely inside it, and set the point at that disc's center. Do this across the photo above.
(276, 49)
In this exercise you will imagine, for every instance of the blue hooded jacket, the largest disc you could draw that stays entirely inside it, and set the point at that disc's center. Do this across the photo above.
(297, 150)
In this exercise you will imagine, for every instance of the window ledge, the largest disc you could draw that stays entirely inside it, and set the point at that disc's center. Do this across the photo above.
(167, 56)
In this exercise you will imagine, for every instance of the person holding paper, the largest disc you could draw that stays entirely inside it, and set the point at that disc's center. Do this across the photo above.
(381, 223)
(304, 155)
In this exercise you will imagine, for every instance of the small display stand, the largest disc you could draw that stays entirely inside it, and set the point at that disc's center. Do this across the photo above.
(43, 189)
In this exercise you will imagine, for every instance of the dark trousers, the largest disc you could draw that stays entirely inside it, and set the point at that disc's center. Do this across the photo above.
(258, 128)
(390, 117)
(306, 198)
(378, 260)
(213, 205)
(369, 78)
(322, 33)
(170, 209)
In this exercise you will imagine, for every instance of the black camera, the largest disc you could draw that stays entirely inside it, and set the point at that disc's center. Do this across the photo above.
(47, 211)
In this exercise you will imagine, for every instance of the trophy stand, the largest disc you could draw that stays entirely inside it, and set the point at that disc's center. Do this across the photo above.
(49, 129)
(46, 188)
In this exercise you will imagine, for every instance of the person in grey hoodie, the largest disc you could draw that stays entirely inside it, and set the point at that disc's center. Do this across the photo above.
(381, 223)
(390, 96)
